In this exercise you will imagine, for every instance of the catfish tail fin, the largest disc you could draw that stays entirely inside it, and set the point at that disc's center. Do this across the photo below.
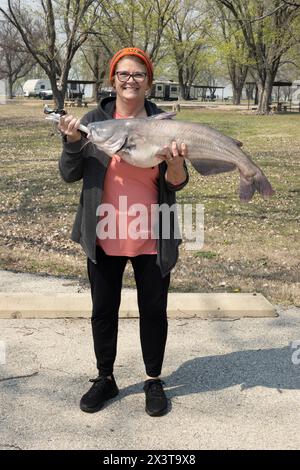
(259, 183)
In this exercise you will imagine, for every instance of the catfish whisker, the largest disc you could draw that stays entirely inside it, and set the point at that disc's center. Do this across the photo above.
(86, 143)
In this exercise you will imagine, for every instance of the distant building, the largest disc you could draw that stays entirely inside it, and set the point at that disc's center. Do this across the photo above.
(296, 91)
(228, 93)
(3, 91)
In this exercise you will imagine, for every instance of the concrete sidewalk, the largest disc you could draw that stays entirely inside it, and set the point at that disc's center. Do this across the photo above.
(231, 385)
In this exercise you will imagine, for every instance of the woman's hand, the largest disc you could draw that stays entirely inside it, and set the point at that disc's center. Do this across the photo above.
(68, 125)
(174, 158)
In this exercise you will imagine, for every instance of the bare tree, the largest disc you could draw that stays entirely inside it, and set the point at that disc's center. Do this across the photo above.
(294, 4)
(15, 62)
(96, 59)
(135, 23)
(138, 23)
(232, 48)
(185, 36)
(53, 35)
(268, 38)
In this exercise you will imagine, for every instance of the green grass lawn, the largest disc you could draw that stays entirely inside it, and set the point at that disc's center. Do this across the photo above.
(248, 247)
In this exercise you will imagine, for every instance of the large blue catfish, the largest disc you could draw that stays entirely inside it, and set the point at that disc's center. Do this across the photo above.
(137, 141)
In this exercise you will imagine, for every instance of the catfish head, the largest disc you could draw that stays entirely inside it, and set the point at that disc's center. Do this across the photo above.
(109, 136)
(128, 138)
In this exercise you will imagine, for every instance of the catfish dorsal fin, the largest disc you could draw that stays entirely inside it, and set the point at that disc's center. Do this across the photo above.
(167, 115)
(238, 142)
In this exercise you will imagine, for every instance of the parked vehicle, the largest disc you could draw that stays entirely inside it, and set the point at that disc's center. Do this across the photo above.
(46, 95)
(35, 86)
(105, 91)
(165, 90)
(168, 90)
(42, 88)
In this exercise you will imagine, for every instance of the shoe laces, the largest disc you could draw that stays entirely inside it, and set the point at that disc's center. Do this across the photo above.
(98, 381)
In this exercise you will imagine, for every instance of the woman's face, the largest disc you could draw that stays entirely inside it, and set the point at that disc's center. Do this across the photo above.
(131, 89)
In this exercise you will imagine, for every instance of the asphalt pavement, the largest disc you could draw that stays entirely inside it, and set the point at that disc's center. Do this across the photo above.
(231, 384)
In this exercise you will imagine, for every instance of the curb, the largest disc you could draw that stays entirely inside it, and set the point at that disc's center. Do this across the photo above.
(180, 305)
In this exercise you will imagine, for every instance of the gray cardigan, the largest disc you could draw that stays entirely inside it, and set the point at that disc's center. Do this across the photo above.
(86, 162)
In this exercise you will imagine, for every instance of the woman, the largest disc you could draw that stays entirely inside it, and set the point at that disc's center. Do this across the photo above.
(105, 180)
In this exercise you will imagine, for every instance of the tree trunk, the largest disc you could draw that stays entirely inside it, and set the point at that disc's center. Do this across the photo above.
(186, 92)
(59, 99)
(238, 74)
(97, 86)
(256, 95)
(263, 102)
(58, 94)
(237, 94)
(181, 85)
(10, 87)
(264, 94)
(96, 89)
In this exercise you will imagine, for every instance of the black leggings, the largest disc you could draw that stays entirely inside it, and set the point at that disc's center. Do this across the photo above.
(152, 289)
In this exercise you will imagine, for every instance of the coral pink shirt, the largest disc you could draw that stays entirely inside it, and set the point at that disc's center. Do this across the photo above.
(135, 186)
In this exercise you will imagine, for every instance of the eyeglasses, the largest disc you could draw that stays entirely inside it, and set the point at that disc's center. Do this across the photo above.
(138, 77)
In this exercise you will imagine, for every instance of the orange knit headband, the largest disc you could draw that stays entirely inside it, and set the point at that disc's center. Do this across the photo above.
(127, 51)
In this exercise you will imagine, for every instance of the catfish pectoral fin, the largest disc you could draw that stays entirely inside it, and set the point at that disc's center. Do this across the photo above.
(211, 167)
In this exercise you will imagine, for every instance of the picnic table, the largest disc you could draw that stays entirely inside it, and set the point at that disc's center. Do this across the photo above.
(76, 103)
(279, 107)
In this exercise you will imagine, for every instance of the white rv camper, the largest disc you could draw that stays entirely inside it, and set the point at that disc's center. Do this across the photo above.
(34, 87)
(165, 90)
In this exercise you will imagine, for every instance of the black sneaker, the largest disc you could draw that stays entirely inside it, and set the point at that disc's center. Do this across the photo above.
(156, 400)
(102, 389)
